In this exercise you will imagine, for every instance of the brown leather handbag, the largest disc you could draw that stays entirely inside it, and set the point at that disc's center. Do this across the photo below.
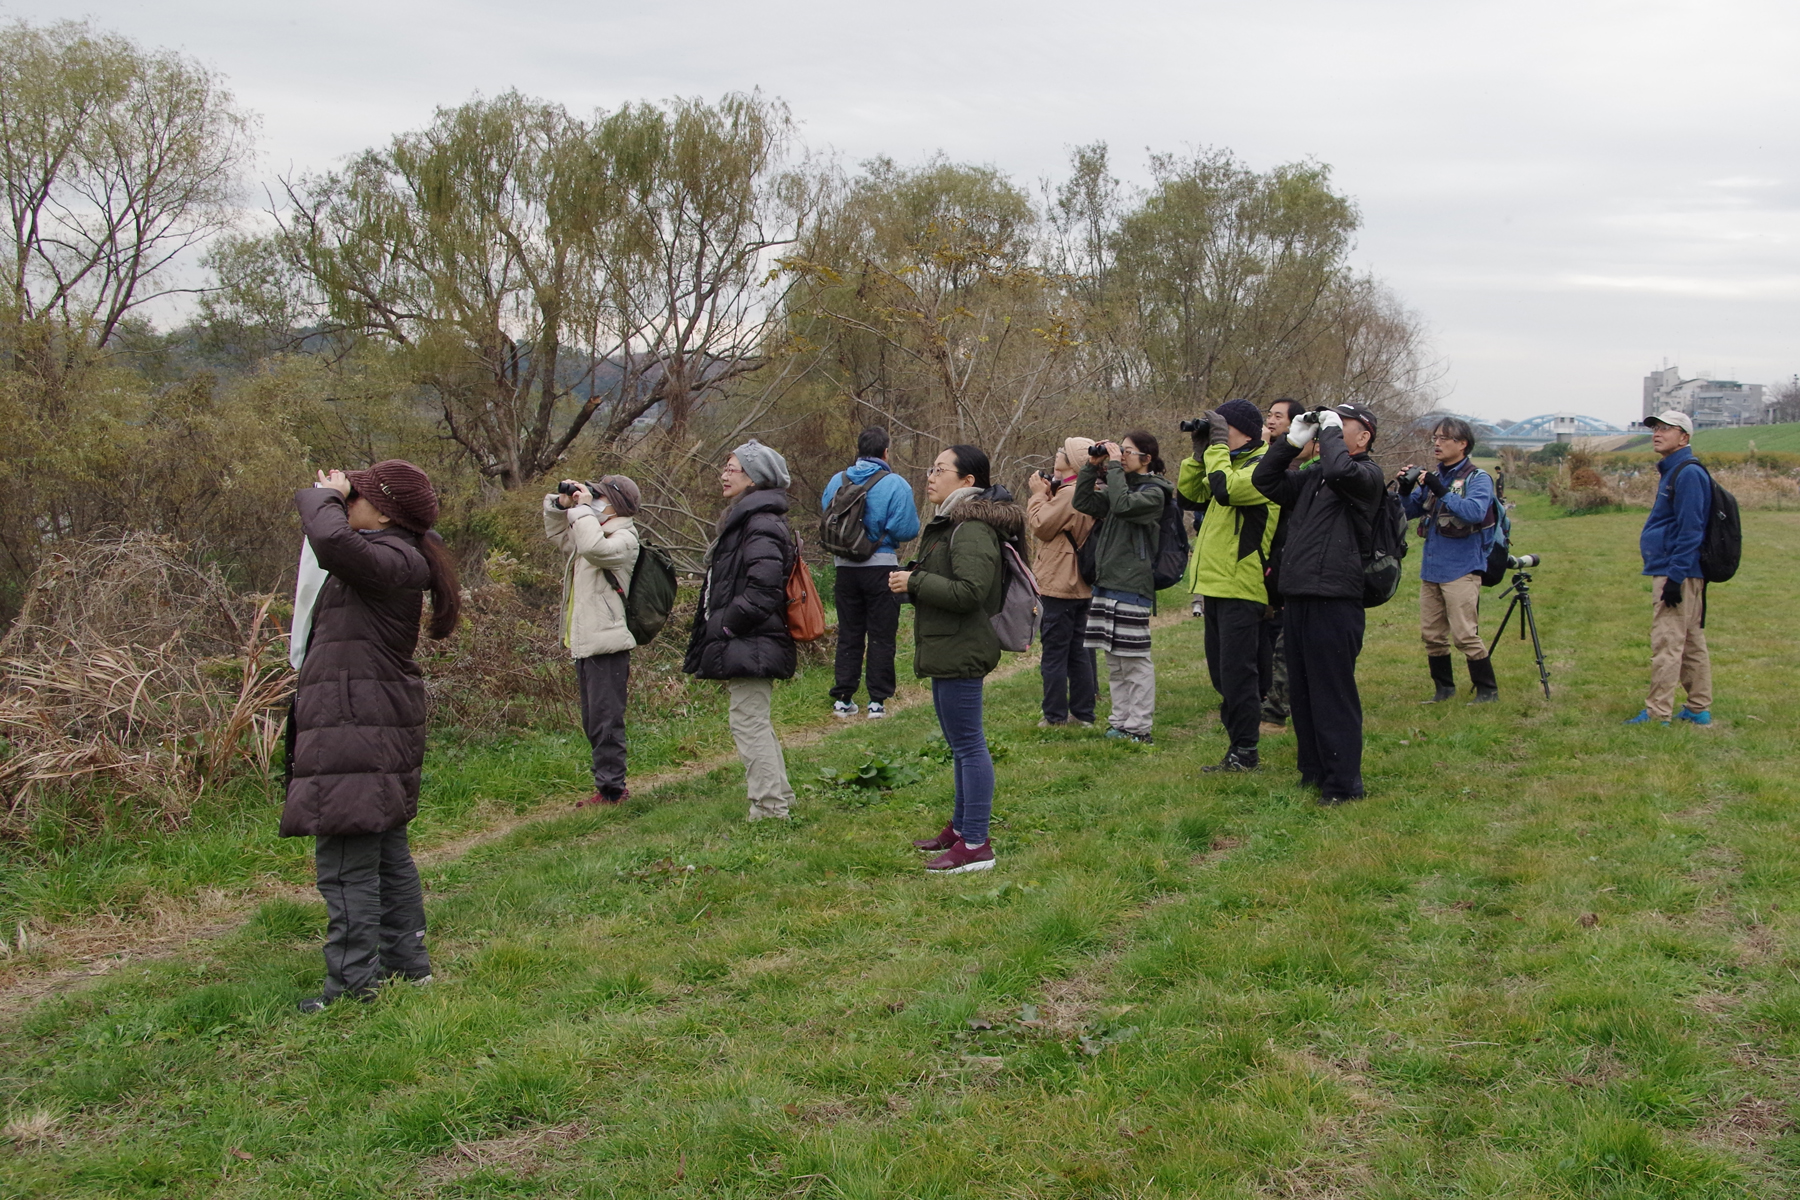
(805, 611)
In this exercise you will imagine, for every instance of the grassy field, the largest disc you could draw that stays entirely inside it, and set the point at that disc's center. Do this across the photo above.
(1549, 956)
(1766, 437)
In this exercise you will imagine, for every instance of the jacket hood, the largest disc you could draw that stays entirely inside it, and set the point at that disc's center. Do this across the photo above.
(1004, 517)
(865, 468)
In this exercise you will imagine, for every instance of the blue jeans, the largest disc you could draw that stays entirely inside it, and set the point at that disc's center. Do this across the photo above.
(958, 704)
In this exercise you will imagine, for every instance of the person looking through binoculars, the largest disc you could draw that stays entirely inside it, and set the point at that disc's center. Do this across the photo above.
(1227, 569)
(1331, 510)
(1458, 517)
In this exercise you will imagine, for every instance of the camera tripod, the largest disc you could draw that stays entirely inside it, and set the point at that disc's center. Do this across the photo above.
(1520, 591)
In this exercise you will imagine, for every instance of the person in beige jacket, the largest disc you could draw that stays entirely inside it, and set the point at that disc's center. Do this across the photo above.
(598, 534)
(1070, 681)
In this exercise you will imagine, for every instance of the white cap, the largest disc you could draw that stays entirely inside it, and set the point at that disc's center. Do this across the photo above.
(1679, 420)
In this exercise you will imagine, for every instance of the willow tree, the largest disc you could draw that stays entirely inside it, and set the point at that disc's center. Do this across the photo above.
(937, 318)
(539, 272)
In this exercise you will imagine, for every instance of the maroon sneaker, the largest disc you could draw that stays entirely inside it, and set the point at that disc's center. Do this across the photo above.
(604, 799)
(945, 839)
(963, 857)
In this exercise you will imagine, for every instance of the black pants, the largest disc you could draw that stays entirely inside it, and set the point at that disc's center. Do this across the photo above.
(1271, 668)
(1070, 678)
(1233, 637)
(1323, 639)
(375, 911)
(603, 679)
(866, 610)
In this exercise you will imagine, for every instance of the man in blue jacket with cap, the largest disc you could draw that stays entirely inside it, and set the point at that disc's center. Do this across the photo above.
(867, 610)
(1670, 545)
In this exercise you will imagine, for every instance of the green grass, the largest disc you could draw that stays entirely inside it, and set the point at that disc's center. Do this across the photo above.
(1173, 985)
(1720, 441)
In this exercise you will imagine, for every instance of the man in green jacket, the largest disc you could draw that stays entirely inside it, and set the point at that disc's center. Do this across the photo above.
(1229, 560)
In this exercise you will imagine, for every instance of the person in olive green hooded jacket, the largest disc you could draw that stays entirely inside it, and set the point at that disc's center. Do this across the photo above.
(956, 585)
(1230, 558)
(1129, 506)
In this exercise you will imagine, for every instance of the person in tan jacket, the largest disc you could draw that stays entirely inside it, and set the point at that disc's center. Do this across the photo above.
(592, 524)
(1070, 680)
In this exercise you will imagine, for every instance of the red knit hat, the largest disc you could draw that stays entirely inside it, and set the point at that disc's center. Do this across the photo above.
(400, 492)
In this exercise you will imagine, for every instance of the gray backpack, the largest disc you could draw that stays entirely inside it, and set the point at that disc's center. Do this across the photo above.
(1020, 608)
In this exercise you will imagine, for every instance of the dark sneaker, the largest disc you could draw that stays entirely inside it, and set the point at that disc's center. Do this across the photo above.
(1485, 695)
(1334, 801)
(313, 1004)
(963, 858)
(945, 839)
(1235, 760)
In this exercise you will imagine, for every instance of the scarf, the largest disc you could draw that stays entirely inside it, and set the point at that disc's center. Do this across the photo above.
(955, 498)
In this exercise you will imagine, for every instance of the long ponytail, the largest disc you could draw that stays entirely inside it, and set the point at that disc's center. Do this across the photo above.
(446, 592)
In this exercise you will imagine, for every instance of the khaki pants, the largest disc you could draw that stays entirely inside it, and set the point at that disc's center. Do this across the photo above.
(1678, 651)
(1131, 680)
(753, 729)
(1451, 613)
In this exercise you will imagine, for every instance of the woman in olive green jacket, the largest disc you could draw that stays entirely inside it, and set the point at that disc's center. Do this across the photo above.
(1129, 506)
(956, 585)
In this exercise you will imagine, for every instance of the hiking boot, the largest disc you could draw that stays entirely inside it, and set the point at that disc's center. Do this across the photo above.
(946, 838)
(1442, 676)
(844, 708)
(1236, 759)
(963, 858)
(1481, 674)
(877, 710)
(1703, 717)
(1644, 718)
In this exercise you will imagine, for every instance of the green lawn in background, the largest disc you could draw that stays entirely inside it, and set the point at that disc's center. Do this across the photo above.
(1767, 438)
(1549, 956)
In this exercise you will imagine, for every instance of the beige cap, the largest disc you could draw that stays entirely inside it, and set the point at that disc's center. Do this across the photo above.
(1679, 420)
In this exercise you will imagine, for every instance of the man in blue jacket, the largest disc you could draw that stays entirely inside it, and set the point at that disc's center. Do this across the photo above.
(866, 609)
(1455, 508)
(1670, 545)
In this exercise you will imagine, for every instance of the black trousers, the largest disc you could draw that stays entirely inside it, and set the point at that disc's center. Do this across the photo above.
(375, 911)
(1233, 638)
(1271, 667)
(1071, 680)
(603, 679)
(866, 612)
(1323, 640)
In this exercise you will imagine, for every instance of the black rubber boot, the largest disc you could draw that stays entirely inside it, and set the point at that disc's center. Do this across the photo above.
(1481, 674)
(1441, 675)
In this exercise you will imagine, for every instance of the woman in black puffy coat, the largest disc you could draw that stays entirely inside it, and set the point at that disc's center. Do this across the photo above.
(740, 630)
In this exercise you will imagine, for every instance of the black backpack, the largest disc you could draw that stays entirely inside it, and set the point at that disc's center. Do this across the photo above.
(652, 594)
(1383, 549)
(842, 531)
(1086, 562)
(1170, 558)
(1723, 543)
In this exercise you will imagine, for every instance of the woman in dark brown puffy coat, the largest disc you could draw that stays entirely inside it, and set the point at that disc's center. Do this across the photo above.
(356, 739)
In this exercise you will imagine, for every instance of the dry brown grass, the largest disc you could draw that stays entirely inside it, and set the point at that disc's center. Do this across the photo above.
(135, 673)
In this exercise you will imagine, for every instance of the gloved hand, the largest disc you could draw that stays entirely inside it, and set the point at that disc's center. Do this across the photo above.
(1671, 593)
(1331, 419)
(1303, 430)
(1219, 426)
(1203, 436)
(1430, 479)
(1406, 485)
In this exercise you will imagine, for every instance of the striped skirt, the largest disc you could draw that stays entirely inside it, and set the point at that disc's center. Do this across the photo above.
(1117, 627)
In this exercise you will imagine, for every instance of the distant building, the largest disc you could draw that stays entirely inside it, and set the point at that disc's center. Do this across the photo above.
(1713, 403)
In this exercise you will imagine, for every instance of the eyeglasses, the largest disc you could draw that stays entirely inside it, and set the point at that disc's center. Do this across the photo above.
(937, 469)
(728, 469)
(1444, 437)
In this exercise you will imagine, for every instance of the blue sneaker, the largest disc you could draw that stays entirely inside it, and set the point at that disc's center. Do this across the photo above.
(1703, 717)
(1644, 718)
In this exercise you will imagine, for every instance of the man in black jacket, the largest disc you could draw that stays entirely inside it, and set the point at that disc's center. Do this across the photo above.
(1331, 510)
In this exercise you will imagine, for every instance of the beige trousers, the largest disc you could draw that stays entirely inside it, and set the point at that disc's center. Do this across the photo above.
(1131, 682)
(753, 729)
(1678, 651)
(1451, 613)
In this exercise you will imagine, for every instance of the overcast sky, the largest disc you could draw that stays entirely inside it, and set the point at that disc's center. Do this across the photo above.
(1568, 193)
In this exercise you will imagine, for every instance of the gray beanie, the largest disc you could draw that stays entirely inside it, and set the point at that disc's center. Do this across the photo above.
(765, 467)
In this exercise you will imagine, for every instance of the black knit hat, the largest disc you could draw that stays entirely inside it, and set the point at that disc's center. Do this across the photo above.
(1242, 416)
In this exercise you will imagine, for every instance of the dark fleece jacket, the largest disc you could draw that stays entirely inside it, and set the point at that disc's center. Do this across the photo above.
(359, 711)
(740, 629)
(958, 582)
(1330, 509)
